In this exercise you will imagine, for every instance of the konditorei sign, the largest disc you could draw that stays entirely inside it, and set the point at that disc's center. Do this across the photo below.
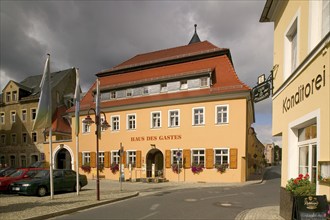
(303, 92)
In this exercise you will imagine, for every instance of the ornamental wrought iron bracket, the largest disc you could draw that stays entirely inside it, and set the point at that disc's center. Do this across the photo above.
(265, 86)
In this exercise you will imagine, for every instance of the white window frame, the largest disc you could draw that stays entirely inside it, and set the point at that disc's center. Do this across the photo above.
(24, 116)
(199, 155)
(86, 158)
(22, 164)
(102, 119)
(86, 129)
(204, 80)
(129, 120)
(184, 84)
(131, 157)
(26, 138)
(193, 117)
(12, 116)
(216, 114)
(293, 26)
(8, 96)
(3, 139)
(156, 119)
(163, 87)
(221, 155)
(101, 158)
(174, 157)
(14, 95)
(34, 135)
(170, 118)
(2, 117)
(13, 138)
(33, 114)
(12, 160)
(115, 156)
(115, 125)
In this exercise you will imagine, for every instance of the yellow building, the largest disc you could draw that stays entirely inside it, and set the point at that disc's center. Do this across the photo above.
(20, 145)
(183, 105)
(301, 95)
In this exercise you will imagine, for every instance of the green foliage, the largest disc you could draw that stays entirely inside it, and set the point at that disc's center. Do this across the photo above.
(301, 186)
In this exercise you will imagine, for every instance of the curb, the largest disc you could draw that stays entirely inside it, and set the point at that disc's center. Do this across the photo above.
(68, 211)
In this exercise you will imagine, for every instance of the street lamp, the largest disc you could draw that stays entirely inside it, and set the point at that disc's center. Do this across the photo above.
(88, 120)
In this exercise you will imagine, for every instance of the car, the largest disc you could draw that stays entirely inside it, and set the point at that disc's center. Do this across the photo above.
(21, 173)
(7, 171)
(63, 180)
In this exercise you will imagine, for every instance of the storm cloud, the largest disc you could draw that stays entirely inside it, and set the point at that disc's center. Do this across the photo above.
(97, 35)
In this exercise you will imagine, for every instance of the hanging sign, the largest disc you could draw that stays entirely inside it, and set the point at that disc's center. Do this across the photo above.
(261, 91)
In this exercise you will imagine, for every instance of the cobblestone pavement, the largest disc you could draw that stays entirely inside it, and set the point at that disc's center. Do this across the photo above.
(32, 207)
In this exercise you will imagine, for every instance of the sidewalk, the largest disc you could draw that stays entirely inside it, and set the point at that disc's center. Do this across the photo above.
(31, 207)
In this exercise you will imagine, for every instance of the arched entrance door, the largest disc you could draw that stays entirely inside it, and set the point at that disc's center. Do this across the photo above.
(63, 159)
(155, 156)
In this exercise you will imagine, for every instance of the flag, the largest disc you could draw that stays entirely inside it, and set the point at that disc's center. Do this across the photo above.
(77, 100)
(44, 111)
(97, 107)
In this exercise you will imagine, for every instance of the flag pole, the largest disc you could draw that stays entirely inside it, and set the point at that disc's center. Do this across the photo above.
(77, 108)
(50, 139)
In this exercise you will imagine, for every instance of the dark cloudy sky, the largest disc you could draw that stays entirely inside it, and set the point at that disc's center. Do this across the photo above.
(96, 35)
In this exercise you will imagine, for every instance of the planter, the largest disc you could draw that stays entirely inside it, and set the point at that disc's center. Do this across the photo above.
(286, 204)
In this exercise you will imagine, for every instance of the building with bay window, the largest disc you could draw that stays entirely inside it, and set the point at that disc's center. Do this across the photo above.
(301, 96)
(179, 107)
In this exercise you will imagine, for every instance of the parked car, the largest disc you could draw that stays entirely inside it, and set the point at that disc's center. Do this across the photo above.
(19, 174)
(63, 180)
(40, 164)
(7, 171)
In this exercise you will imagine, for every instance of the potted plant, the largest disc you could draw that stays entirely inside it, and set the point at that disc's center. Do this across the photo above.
(221, 168)
(175, 168)
(197, 168)
(101, 167)
(300, 186)
(86, 168)
(114, 167)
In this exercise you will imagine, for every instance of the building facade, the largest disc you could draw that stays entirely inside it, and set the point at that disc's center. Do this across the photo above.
(20, 145)
(301, 95)
(180, 107)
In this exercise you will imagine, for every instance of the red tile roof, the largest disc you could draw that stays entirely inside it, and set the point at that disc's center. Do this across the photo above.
(203, 56)
(166, 55)
(59, 124)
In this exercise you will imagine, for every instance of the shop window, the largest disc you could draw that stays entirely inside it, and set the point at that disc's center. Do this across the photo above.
(308, 151)
(155, 120)
(222, 114)
(198, 116)
(86, 158)
(174, 118)
(197, 156)
(115, 123)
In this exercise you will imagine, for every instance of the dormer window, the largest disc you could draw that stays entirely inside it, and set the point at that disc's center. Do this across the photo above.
(7, 96)
(184, 84)
(14, 96)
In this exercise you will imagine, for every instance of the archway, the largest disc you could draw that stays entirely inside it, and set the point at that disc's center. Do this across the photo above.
(63, 159)
(155, 156)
